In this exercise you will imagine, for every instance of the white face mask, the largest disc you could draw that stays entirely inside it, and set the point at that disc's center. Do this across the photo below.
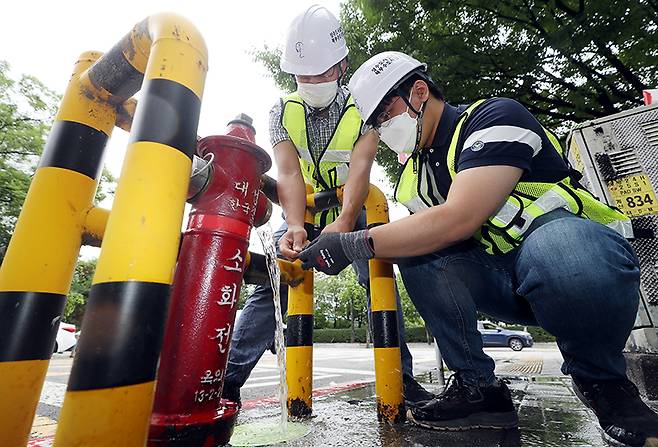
(318, 95)
(400, 133)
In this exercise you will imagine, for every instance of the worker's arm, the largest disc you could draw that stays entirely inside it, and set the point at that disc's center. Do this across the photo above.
(358, 181)
(475, 195)
(292, 196)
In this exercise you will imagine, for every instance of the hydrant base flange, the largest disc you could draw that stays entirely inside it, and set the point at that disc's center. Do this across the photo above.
(197, 430)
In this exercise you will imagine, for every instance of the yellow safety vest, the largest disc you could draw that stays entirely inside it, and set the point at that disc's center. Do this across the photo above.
(417, 190)
(330, 170)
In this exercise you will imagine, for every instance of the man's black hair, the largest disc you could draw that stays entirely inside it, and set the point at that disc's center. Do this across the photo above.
(405, 86)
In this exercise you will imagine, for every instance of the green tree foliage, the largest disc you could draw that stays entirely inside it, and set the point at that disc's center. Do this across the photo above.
(332, 297)
(245, 291)
(411, 316)
(79, 293)
(27, 108)
(565, 60)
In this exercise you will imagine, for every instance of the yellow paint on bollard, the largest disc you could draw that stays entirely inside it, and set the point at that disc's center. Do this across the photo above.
(107, 417)
(299, 348)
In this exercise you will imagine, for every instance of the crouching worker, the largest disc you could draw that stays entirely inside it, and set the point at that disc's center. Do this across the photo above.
(316, 138)
(500, 225)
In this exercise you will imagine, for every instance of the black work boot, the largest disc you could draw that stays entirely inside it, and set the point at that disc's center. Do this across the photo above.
(467, 407)
(414, 393)
(624, 418)
(232, 394)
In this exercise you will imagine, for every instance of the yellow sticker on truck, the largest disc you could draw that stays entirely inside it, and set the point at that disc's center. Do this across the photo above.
(634, 195)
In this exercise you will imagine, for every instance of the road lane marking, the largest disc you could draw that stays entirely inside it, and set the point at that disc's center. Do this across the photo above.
(343, 371)
(264, 384)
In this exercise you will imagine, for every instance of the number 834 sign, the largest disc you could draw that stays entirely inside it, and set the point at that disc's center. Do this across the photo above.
(634, 195)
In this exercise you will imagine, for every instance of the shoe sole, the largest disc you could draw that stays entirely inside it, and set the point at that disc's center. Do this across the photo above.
(500, 421)
(649, 442)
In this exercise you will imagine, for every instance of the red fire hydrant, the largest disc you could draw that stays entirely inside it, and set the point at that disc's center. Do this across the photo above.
(188, 409)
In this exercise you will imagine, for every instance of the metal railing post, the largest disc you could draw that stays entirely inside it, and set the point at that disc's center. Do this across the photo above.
(299, 338)
(385, 333)
(110, 391)
(36, 274)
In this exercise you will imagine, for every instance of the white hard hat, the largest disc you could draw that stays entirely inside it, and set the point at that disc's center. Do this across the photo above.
(315, 43)
(372, 81)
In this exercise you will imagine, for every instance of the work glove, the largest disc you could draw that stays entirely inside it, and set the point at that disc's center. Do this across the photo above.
(330, 253)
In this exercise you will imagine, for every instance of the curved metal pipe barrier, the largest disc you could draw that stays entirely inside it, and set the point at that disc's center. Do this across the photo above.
(386, 341)
(110, 390)
(36, 274)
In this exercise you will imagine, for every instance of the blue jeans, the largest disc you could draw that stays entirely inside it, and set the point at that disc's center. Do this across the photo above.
(575, 278)
(254, 330)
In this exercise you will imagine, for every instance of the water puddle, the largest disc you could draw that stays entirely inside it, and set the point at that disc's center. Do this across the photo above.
(267, 433)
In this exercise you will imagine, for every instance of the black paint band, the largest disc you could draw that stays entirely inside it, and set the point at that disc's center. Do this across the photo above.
(121, 335)
(385, 329)
(325, 200)
(29, 322)
(115, 74)
(257, 271)
(299, 330)
(167, 114)
(75, 146)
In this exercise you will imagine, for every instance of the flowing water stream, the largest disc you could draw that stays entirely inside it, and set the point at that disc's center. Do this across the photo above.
(265, 234)
(259, 433)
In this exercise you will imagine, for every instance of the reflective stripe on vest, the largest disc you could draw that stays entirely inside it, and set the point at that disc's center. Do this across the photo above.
(529, 200)
(331, 169)
(505, 229)
(416, 188)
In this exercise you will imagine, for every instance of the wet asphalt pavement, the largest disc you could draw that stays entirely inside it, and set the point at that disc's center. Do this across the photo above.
(550, 415)
(549, 412)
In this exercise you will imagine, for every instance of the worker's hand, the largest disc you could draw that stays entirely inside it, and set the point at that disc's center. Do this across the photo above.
(331, 253)
(293, 241)
(338, 226)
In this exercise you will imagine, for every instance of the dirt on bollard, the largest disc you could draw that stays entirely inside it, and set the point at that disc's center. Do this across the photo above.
(298, 408)
(390, 413)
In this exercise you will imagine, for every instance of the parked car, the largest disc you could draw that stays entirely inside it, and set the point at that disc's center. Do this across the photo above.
(66, 339)
(493, 335)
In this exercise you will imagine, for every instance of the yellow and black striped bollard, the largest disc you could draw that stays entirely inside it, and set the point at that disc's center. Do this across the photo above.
(299, 335)
(385, 334)
(110, 391)
(299, 347)
(38, 267)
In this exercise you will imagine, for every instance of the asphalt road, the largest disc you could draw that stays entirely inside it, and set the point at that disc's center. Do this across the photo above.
(333, 365)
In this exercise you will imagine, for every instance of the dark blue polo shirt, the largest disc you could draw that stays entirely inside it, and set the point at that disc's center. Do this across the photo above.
(499, 132)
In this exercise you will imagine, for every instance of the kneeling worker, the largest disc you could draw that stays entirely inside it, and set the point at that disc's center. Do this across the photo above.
(501, 225)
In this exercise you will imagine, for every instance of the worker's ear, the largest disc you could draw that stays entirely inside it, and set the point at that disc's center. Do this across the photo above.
(421, 89)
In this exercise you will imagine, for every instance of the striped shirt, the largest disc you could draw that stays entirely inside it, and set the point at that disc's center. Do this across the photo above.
(321, 123)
